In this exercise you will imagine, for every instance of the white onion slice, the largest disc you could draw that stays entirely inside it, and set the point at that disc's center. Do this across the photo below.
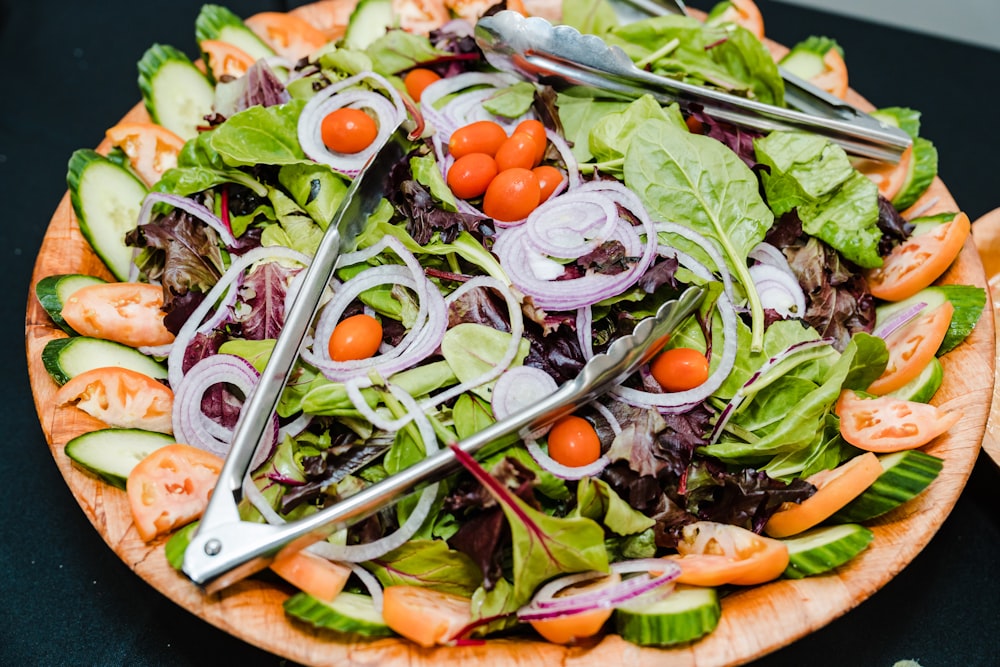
(778, 290)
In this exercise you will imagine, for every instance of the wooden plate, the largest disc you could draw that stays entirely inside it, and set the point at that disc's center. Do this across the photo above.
(754, 621)
(986, 234)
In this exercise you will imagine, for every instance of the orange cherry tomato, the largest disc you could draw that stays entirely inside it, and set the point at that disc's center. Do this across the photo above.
(549, 179)
(121, 397)
(224, 59)
(919, 261)
(512, 195)
(715, 554)
(417, 79)
(519, 150)
(423, 615)
(573, 441)
(151, 148)
(537, 132)
(570, 628)
(911, 348)
(679, 369)
(320, 578)
(128, 313)
(483, 136)
(289, 35)
(357, 337)
(834, 489)
(348, 130)
(471, 174)
(887, 424)
(170, 488)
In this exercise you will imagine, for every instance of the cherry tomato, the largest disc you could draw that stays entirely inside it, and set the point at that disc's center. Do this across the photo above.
(887, 424)
(289, 35)
(483, 136)
(569, 628)
(549, 179)
(911, 348)
(121, 397)
(834, 489)
(519, 150)
(151, 148)
(537, 132)
(679, 369)
(224, 59)
(128, 313)
(170, 488)
(512, 195)
(916, 263)
(471, 174)
(573, 442)
(357, 337)
(714, 554)
(417, 79)
(423, 615)
(348, 130)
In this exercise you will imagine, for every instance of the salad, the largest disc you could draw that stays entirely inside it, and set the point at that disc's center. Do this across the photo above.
(525, 229)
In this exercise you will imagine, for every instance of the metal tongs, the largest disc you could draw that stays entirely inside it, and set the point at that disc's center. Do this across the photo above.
(226, 549)
(534, 48)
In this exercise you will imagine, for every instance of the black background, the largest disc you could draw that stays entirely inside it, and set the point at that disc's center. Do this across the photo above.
(67, 72)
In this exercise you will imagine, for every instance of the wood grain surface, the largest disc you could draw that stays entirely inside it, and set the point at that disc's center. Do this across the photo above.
(986, 234)
(754, 621)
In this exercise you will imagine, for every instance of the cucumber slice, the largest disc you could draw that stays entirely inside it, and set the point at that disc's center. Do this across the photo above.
(177, 95)
(968, 301)
(904, 475)
(805, 59)
(820, 550)
(923, 165)
(112, 453)
(217, 22)
(683, 616)
(923, 387)
(106, 198)
(369, 21)
(53, 291)
(65, 358)
(178, 543)
(349, 612)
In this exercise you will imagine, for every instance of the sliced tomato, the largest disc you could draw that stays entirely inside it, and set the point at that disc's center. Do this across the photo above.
(225, 59)
(745, 13)
(320, 578)
(834, 489)
(887, 176)
(714, 554)
(420, 16)
(570, 628)
(120, 397)
(129, 313)
(887, 424)
(289, 35)
(423, 615)
(833, 79)
(328, 16)
(170, 488)
(911, 348)
(916, 263)
(151, 148)
(472, 10)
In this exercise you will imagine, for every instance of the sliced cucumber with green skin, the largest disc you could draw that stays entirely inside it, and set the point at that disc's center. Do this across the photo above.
(923, 165)
(111, 453)
(923, 387)
(369, 21)
(65, 358)
(805, 59)
(178, 543)
(53, 291)
(820, 550)
(904, 476)
(219, 23)
(686, 614)
(177, 95)
(349, 612)
(967, 300)
(106, 199)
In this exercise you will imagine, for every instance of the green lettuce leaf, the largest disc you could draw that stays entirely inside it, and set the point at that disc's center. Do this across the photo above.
(430, 564)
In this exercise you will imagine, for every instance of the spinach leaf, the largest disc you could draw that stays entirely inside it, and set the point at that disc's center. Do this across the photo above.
(425, 170)
(261, 135)
(579, 113)
(200, 167)
(595, 499)
(430, 564)
(315, 188)
(610, 137)
(512, 101)
(590, 16)
(496, 605)
(398, 50)
(473, 349)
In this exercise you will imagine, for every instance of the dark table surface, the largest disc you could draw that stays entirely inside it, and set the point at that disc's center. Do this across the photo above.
(68, 73)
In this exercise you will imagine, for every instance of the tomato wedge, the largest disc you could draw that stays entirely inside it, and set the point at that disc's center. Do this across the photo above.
(151, 148)
(833, 79)
(128, 313)
(320, 578)
(121, 397)
(911, 348)
(834, 489)
(918, 262)
(224, 59)
(423, 615)
(887, 424)
(714, 554)
(170, 488)
(887, 176)
(745, 13)
(289, 35)
(328, 16)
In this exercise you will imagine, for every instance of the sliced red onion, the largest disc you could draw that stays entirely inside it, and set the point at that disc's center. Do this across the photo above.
(778, 290)
(466, 108)
(519, 387)
(585, 330)
(566, 154)
(190, 207)
(707, 245)
(898, 320)
(295, 427)
(613, 422)
(765, 253)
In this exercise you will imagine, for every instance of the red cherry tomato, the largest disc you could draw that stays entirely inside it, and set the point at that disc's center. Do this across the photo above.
(549, 179)
(519, 150)
(679, 369)
(573, 442)
(418, 79)
(471, 174)
(357, 337)
(537, 132)
(512, 195)
(348, 130)
(483, 136)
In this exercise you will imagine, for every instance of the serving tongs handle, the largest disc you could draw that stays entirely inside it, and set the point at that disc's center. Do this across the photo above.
(235, 549)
